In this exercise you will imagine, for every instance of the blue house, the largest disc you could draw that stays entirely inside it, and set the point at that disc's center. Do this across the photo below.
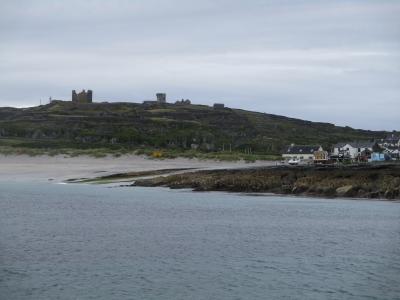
(376, 156)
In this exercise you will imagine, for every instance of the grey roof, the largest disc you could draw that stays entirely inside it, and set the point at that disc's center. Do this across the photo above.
(391, 139)
(339, 145)
(392, 148)
(307, 149)
(393, 136)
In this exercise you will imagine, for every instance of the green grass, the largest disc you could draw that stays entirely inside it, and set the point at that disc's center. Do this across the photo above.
(219, 156)
(103, 152)
(100, 129)
(97, 153)
(161, 110)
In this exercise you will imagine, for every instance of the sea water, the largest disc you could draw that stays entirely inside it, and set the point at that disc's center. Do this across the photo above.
(95, 242)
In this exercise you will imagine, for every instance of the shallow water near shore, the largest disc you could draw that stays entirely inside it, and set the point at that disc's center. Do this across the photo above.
(94, 242)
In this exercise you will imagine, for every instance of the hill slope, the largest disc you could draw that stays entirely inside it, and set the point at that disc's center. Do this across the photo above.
(132, 125)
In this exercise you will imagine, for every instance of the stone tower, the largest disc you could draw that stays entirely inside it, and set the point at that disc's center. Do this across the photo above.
(82, 97)
(161, 97)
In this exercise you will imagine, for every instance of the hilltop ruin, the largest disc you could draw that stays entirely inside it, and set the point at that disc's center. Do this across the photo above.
(82, 97)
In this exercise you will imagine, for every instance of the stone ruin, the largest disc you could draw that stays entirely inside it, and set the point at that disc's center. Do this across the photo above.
(82, 97)
(183, 102)
(161, 97)
(219, 106)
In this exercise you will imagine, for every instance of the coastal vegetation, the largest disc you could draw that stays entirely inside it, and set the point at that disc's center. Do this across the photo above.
(152, 153)
(161, 131)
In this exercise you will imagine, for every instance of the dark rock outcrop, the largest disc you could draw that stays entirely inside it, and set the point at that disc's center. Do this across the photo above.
(366, 181)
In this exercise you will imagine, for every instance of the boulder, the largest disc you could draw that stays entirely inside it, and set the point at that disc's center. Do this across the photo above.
(344, 190)
(391, 193)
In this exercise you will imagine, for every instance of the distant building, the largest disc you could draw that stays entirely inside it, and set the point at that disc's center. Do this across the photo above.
(353, 150)
(392, 152)
(219, 106)
(82, 97)
(161, 97)
(321, 157)
(376, 156)
(390, 146)
(183, 102)
(302, 153)
(390, 141)
(149, 102)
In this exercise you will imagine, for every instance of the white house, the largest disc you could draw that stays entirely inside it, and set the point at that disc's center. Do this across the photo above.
(390, 141)
(352, 149)
(392, 151)
(390, 146)
(300, 152)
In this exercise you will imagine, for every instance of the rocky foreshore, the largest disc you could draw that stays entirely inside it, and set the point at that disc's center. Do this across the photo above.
(361, 181)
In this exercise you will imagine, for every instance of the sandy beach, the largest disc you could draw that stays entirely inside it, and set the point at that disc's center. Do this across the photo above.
(60, 168)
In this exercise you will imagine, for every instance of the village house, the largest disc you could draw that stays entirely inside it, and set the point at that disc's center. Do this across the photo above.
(395, 154)
(392, 151)
(390, 146)
(321, 157)
(302, 153)
(377, 156)
(354, 150)
(390, 141)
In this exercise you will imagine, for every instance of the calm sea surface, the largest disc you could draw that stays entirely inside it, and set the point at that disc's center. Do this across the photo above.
(93, 242)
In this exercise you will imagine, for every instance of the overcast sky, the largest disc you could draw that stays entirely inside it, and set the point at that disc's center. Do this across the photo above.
(322, 60)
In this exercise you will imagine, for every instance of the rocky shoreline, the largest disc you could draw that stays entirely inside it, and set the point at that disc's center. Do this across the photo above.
(362, 181)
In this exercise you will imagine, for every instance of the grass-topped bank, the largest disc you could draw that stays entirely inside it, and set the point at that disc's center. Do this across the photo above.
(52, 148)
(363, 181)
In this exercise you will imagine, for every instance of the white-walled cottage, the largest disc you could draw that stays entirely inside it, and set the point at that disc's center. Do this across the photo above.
(390, 141)
(302, 153)
(352, 149)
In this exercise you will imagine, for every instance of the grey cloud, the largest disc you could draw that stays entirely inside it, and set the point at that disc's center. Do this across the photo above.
(320, 60)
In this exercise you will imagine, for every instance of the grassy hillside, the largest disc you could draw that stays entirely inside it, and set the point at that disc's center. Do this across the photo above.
(128, 126)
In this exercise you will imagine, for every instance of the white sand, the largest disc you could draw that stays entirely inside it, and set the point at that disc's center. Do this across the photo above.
(60, 168)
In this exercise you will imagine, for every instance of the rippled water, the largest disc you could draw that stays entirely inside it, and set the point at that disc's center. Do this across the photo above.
(93, 242)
